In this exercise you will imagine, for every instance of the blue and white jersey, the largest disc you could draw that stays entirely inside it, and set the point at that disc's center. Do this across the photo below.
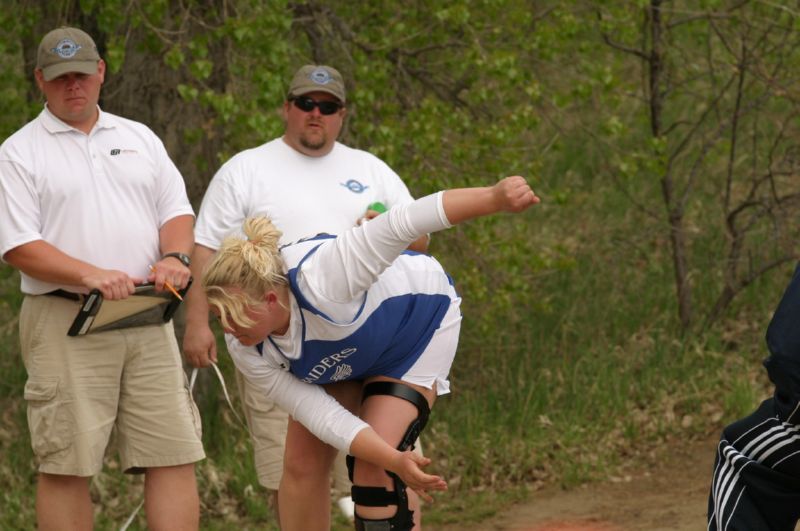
(360, 305)
(383, 333)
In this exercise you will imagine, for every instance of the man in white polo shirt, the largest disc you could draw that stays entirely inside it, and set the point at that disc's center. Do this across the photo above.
(89, 200)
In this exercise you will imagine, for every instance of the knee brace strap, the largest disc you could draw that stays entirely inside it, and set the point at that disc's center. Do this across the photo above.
(410, 395)
(403, 519)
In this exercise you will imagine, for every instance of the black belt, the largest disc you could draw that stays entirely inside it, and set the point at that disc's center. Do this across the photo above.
(66, 295)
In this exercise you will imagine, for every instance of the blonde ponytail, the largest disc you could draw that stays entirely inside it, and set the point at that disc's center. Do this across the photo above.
(253, 265)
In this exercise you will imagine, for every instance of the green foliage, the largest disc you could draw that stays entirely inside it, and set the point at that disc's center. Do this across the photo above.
(14, 107)
(571, 354)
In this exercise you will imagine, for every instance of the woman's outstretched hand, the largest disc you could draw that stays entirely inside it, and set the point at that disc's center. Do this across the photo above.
(408, 466)
(513, 194)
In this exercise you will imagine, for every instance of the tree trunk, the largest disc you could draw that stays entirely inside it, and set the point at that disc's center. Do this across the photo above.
(672, 205)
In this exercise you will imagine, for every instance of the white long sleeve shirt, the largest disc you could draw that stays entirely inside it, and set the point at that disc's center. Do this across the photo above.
(360, 306)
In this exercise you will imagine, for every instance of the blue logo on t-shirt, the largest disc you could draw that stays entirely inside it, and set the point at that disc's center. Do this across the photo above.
(354, 186)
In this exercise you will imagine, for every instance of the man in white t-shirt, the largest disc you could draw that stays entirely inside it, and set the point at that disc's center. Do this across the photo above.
(306, 183)
(89, 200)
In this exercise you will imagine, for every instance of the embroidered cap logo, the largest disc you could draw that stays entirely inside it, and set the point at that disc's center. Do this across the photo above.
(66, 48)
(320, 76)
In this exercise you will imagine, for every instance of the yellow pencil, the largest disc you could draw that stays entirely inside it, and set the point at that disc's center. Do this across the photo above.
(169, 286)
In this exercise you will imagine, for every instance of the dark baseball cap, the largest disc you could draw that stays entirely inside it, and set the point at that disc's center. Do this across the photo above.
(66, 50)
(317, 78)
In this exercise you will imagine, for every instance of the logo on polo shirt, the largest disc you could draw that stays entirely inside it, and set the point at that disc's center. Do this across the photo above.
(123, 152)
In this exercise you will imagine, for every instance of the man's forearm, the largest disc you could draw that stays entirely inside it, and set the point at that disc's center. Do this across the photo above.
(196, 301)
(177, 235)
(45, 262)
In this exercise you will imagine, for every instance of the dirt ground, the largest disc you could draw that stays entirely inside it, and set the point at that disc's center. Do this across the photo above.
(669, 497)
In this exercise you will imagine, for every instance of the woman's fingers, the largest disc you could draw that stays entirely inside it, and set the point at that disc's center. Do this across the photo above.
(418, 480)
(421, 460)
(424, 495)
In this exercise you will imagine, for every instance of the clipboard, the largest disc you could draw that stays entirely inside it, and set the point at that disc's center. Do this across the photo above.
(144, 307)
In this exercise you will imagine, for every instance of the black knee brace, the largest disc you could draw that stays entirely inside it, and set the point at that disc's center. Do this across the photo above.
(403, 519)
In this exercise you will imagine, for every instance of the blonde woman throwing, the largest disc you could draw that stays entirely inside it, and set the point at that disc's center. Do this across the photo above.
(357, 308)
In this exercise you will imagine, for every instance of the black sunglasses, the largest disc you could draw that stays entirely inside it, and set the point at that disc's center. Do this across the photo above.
(306, 104)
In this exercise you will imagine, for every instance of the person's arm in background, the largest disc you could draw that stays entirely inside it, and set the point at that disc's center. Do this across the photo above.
(223, 208)
(419, 245)
(43, 261)
(394, 192)
(176, 234)
(199, 343)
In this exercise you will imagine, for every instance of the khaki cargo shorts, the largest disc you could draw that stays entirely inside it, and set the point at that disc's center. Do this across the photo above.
(80, 388)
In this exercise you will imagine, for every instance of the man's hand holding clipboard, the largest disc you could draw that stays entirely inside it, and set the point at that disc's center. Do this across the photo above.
(146, 306)
(117, 300)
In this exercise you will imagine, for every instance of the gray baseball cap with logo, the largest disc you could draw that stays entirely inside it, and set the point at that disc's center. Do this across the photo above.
(66, 50)
(317, 78)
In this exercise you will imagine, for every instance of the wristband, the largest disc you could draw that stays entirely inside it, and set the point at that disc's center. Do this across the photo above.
(185, 260)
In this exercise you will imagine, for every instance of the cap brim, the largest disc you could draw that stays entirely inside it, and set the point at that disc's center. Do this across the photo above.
(309, 90)
(51, 72)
